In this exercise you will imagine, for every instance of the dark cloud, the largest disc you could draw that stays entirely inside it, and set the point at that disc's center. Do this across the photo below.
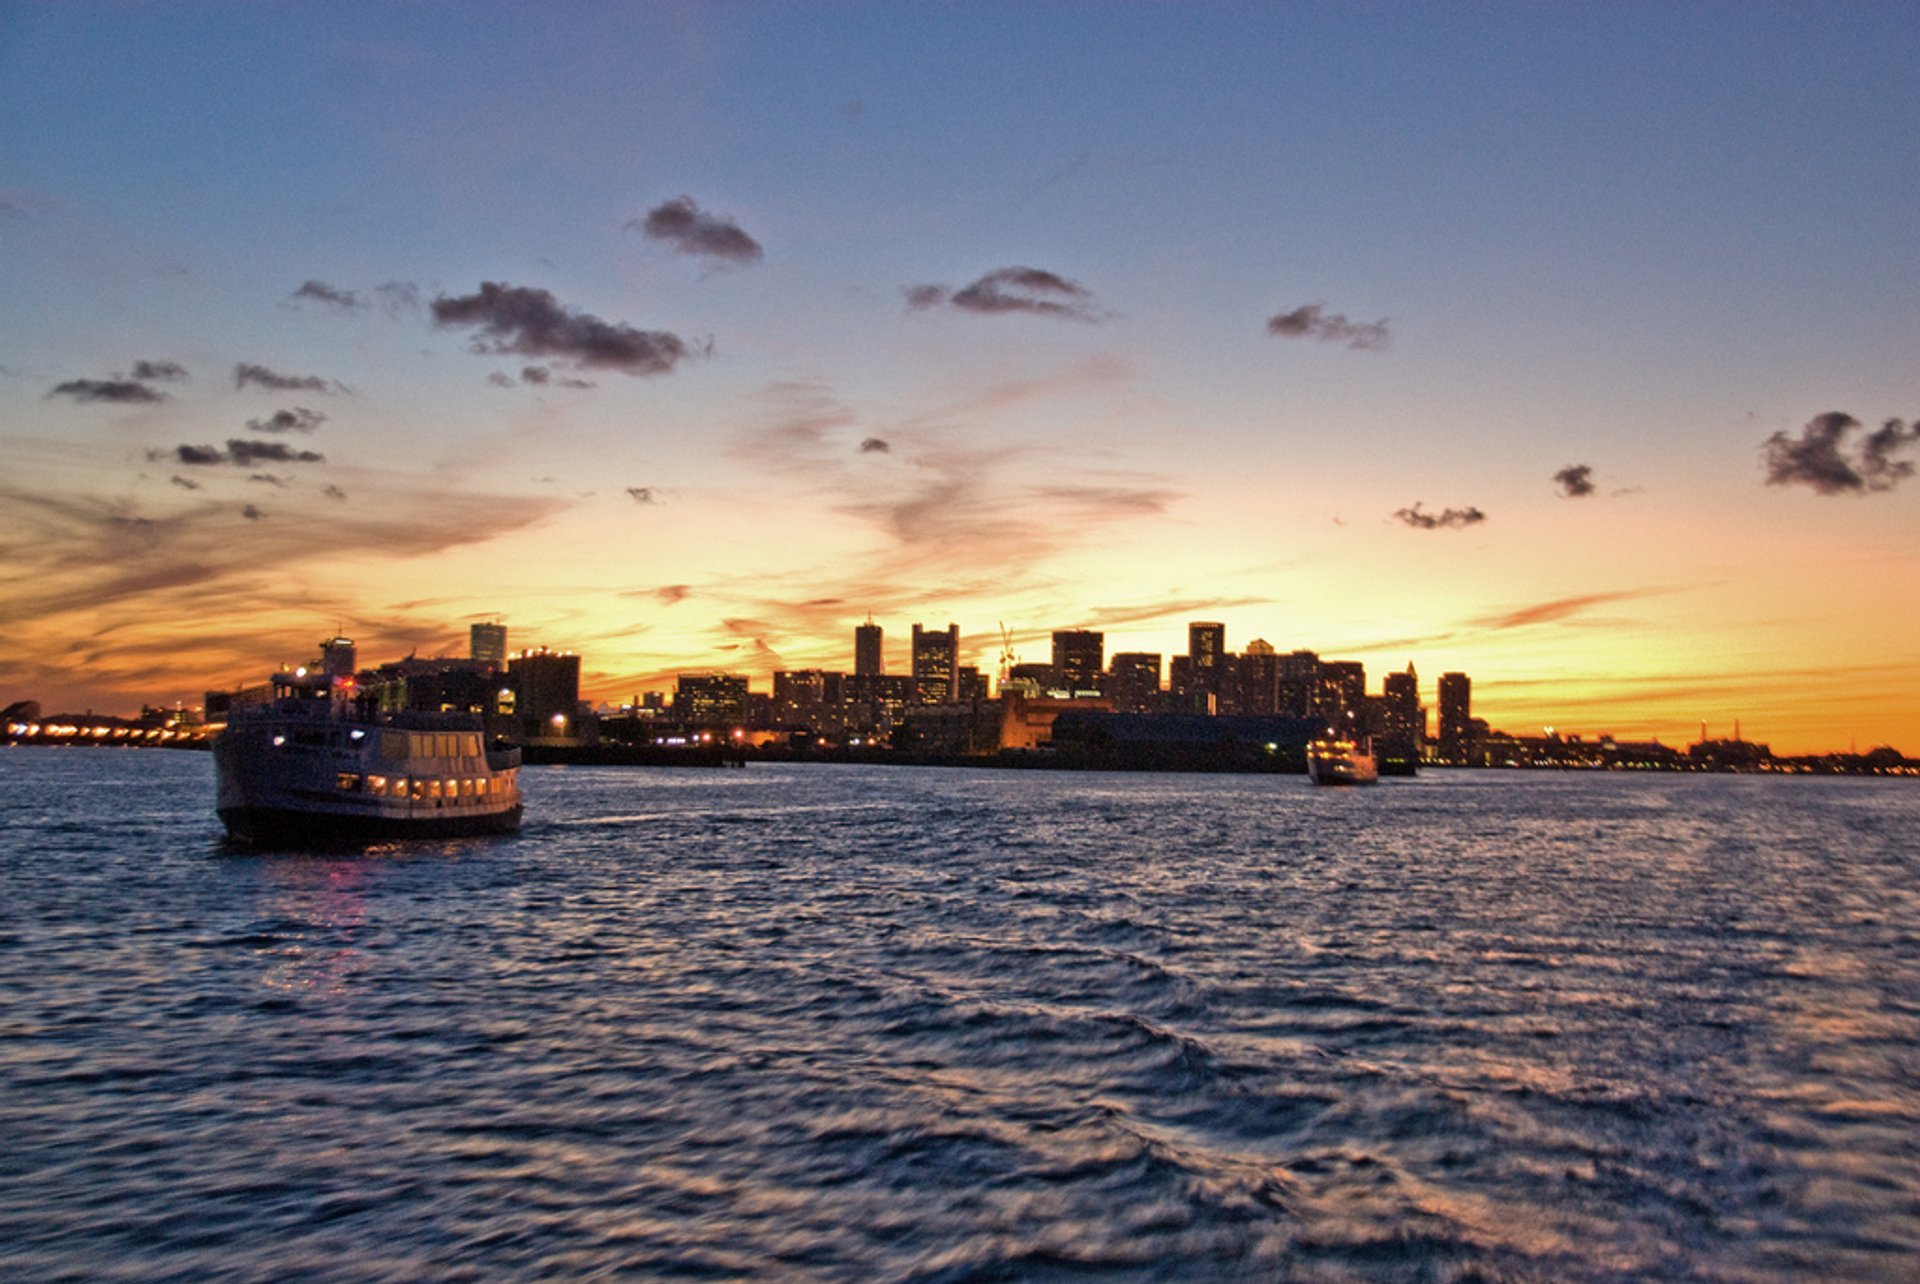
(322, 293)
(530, 322)
(1447, 519)
(500, 379)
(1009, 290)
(159, 371)
(1819, 457)
(643, 494)
(298, 419)
(874, 446)
(246, 373)
(1313, 322)
(245, 453)
(691, 230)
(251, 513)
(117, 391)
(333, 492)
(535, 374)
(183, 482)
(1575, 481)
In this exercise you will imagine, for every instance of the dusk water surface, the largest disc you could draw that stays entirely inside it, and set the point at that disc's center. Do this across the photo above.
(810, 1022)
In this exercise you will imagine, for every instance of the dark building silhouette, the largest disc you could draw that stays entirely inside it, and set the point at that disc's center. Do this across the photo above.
(1456, 716)
(809, 698)
(547, 684)
(1299, 671)
(868, 660)
(1079, 657)
(1339, 691)
(1133, 681)
(1207, 656)
(936, 665)
(1258, 680)
(714, 701)
(337, 657)
(487, 644)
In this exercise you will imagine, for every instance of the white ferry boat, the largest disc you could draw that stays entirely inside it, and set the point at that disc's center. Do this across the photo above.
(310, 765)
(1342, 760)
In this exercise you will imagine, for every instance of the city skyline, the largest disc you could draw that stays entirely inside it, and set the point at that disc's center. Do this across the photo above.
(1572, 350)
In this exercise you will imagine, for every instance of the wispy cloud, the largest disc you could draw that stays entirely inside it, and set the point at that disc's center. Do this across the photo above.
(1446, 519)
(328, 296)
(111, 391)
(242, 451)
(1560, 609)
(643, 494)
(249, 374)
(682, 224)
(1575, 481)
(1011, 290)
(160, 371)
(1313, 321)
(1820, 460)
(298, 419)
(530, 322)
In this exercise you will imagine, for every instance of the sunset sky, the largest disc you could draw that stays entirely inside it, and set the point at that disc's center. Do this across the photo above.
(1573, 347)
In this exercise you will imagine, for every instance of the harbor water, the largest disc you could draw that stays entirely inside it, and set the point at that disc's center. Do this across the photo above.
(808, 1022)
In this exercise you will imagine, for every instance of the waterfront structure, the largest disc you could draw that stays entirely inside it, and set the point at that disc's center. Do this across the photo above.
(936, 664)
(1079, 657)
(487, 645)
(869, 661)
(1456, 716)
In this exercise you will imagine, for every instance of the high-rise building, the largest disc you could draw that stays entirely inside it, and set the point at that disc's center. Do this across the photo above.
(337, 657)
(1340, 690)
(1207, 650)
(1403, 721)
(1456, 716)
(811, 698)
(1133, 683)
(868, 661)
(1079, 655)
(548, 687)
(1259, 685)
(1299, 673)
(936, 665)
(487, 644)
(711, 700)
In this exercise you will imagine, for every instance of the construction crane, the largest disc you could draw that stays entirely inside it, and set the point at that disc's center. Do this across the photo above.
(1007, 658)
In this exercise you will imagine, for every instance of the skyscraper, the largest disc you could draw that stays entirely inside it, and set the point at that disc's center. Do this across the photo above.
(1404, 721)
(868, 661)
(936, 665)
(1259, 686)
(1079, 655)
(1134, 682)
(487, 644)
(1207, 645)
(1456, 716)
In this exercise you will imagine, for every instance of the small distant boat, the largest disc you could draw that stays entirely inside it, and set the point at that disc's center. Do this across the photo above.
(1342, 760)
(311, 765)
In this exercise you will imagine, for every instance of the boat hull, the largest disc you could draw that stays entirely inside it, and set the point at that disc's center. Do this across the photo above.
(285, 827)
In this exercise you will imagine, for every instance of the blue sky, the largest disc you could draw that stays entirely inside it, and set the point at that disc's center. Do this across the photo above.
(1643, 238)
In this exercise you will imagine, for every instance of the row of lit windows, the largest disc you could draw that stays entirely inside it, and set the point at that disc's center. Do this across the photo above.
(426, 789)
(399, 746)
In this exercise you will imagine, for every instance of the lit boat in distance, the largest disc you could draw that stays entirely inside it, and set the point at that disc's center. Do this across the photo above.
(1342, 760)
(312, 766)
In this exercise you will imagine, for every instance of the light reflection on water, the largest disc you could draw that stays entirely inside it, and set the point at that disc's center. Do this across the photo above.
(869, 1022)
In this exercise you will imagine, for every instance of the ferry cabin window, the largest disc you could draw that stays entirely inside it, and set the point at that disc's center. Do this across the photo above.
(377, 785)
(347, 782)
(393, 745)
(470, 746)
(417, 787)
